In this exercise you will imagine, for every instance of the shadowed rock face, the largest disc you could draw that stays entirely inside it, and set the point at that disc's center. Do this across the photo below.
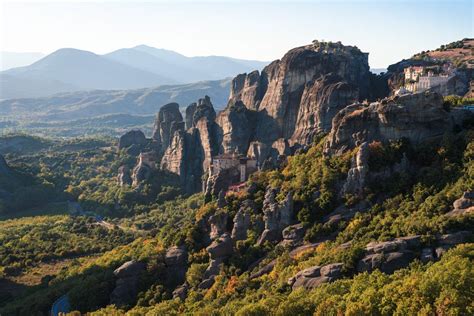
(236, 128)
(134, 137)
(189, 152)
(168, 116)
(126, 286)
(297, 96)
(320, 102)
(419, 117)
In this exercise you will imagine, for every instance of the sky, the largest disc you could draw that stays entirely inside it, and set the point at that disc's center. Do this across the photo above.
(261, 30)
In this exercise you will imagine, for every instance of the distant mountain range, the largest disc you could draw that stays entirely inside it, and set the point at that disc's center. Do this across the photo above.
(142, 66)
(88, 104)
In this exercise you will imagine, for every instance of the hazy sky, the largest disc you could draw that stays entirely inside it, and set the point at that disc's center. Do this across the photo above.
(263, 30)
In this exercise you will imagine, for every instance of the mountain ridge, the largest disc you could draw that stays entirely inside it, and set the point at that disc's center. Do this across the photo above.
(70, 69)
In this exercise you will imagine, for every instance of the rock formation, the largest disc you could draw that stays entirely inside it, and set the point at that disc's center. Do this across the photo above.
(176, 259)
(165, 124)
(356, 176)
(463, 205)
(417, 117)
(389, 256)
(218, 224)
(277, 216)
(242, 220)
(134, 137)
(126, 286)
(123, 176)
(320, 102)
(219, 250)
(277, 94)
(293, 235)
(236, 128)
(314, 276)
(189, 152)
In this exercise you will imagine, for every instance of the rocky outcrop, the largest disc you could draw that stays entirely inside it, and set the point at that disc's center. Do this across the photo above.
(181, 292)
(221, 181)
(248, 88)
(219, 250)
(218, 224)
(176, 259)
(189, 115)
(236, 128)
(123, 176)
(189, 151)
(165, 125)
(132, 138)
(417, 117)
(293, 235)
(388, 256)
(314, 276)
(320, 102)
(141, 172)
(277, 216)
(242, 220)
(295, 97)
(126, 286)
(463, 205)
(357, 174)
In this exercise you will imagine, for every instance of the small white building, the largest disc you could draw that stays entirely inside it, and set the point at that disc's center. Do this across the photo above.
(418, 79)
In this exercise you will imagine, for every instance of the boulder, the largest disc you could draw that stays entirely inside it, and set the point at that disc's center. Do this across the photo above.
(133, 137)
(181, 292)
(126, 286)
(385, 246)
(463, 205)
(206, 284)
(293, 235)
(221, 247)
(454, 239)
(314, 276)
(396, 260)
(218, 224)
(176, 259)
(176, 256)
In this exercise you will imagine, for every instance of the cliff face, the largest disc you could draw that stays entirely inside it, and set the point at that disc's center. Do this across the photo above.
(313, 89)
(192, 143)
(167, 118)
(236, 128)
(297, 96)
(320, 102)
(419, 117)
